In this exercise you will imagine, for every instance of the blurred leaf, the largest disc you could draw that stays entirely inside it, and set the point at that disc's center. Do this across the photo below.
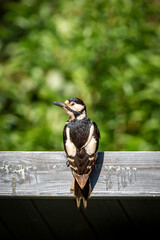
(106, 52)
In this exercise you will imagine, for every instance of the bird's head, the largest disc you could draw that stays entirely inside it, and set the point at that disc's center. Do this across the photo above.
(74, 107)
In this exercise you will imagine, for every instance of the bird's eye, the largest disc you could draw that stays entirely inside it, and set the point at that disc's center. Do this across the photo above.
(72, 104)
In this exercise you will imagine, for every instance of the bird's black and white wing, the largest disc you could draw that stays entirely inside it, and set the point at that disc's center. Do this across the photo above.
(81, 145)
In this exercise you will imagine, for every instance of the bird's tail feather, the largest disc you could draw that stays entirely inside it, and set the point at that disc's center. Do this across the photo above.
(82, 194)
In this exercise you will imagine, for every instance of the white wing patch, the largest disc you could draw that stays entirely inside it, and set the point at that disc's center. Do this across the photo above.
(91, 143)
(91, 147)
(70, 147)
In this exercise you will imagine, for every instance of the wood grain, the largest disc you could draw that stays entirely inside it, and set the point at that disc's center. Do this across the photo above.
(116, 174)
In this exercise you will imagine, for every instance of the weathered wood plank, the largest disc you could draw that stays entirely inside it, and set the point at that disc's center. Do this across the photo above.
(23, 220)
(5, 231)
(46, 174)
(64, 218)
(144, 212)
(107, 218)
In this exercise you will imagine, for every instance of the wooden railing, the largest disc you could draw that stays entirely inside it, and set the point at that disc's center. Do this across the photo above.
(116, 174)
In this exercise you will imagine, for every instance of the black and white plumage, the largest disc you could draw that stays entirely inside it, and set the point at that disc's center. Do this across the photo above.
(81, 140)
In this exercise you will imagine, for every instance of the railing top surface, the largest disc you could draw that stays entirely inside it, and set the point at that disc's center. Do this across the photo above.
(120, 174)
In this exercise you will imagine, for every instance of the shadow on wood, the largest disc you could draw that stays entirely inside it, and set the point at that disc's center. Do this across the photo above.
(97, 169)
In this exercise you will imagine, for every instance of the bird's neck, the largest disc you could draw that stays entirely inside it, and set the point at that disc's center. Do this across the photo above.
(82, 115)
(77, 115)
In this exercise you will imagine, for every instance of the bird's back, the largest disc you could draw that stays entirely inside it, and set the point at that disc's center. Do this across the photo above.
(79, 131)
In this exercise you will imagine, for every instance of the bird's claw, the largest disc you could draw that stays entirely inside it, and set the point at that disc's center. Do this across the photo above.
(67, 164)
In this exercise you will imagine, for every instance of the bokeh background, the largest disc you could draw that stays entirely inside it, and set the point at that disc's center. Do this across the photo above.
(105, 52)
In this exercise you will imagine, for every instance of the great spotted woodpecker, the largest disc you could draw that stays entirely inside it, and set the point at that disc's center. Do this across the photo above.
(81, 140)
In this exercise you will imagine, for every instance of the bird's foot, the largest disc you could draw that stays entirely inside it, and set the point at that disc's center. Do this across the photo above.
(67, 163)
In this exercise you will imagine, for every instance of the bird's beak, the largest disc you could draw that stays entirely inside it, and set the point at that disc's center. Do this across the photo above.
(60, 104)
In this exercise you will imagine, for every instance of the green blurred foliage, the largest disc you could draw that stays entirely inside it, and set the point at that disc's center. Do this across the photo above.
(105, 52)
